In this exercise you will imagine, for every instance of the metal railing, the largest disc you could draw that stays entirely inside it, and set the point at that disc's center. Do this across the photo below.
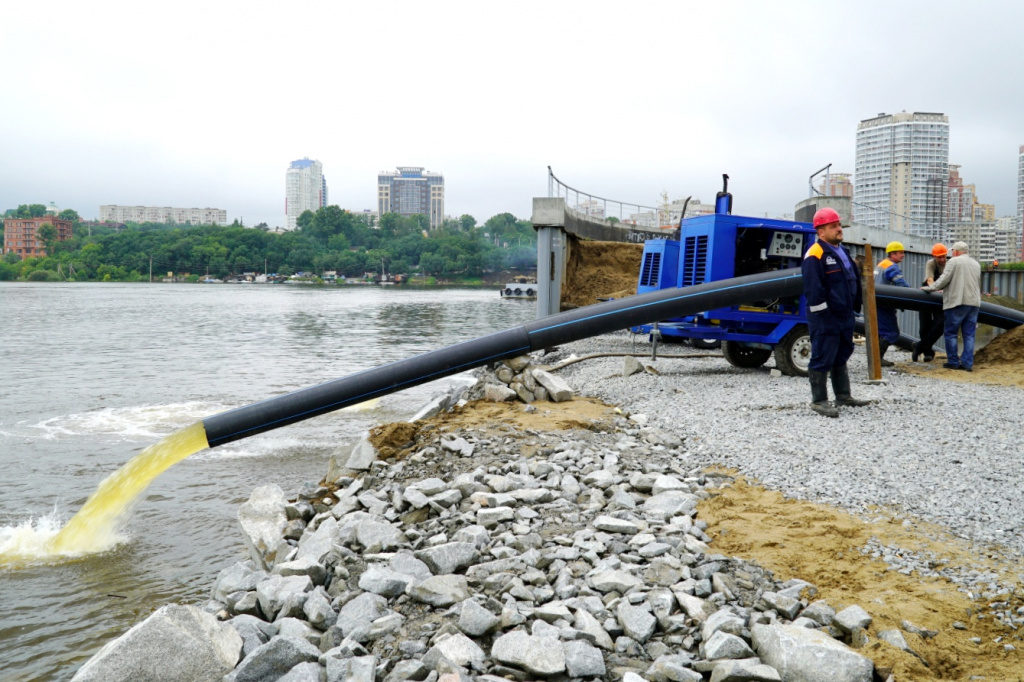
(601, 208)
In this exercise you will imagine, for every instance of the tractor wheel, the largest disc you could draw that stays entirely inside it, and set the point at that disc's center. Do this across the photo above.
(793, 353)
(706, 344)
(741, 355)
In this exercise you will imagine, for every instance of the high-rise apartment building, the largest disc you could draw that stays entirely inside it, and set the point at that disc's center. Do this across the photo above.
(1020, 195)
(409, 191)
(836, 185)
(960, 198)
(902, 173)
(1008, 239)
(305, 189)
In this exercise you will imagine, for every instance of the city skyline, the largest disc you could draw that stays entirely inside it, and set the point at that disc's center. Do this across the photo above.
(767, 94)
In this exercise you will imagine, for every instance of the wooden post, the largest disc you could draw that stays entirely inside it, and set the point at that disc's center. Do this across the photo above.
(870, 316)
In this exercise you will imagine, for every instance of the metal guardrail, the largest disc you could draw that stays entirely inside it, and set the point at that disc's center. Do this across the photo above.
(1003, 283)
(600, 208)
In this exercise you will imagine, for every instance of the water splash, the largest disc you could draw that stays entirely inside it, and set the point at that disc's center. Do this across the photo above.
(95, 527)
(27, 541)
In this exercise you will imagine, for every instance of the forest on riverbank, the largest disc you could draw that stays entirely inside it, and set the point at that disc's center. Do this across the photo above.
(331, 239)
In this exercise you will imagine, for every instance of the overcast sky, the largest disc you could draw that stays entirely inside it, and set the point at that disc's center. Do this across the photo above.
(205, 104)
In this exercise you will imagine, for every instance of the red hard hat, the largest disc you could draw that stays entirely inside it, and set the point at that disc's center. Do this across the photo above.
(824, 216)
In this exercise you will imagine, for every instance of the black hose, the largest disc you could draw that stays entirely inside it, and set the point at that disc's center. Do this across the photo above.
(909, 298)
(544, 333)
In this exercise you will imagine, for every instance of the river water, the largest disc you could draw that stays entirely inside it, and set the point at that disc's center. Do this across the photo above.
(94, 373)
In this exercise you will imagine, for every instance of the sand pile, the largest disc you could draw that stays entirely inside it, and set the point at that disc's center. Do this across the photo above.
(1005, 348)
(596, 270)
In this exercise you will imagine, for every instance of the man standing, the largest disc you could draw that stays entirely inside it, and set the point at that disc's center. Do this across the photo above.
(930, 320)
(833, 293)
(889, 272)
(960, 285)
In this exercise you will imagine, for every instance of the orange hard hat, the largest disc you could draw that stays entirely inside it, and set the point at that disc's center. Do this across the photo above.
(824, 216)
(939, 250)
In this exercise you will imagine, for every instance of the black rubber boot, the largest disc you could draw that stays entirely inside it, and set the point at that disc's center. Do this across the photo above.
(882, 347)
(841, 386)
(819, 394)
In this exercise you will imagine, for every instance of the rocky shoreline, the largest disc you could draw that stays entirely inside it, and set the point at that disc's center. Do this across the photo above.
(503, 553)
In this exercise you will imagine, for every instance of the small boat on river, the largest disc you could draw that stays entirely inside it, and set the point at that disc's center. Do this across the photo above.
(519, 289)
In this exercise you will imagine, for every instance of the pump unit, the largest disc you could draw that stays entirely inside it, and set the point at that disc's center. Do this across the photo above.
(722, 246)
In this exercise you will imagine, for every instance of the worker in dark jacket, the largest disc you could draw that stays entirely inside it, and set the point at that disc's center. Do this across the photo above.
(889, 272)
(930, 320)
(833, 293)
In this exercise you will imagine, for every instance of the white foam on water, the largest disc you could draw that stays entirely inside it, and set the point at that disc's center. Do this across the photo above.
(138, 422)
(257, 446)
(28, 542)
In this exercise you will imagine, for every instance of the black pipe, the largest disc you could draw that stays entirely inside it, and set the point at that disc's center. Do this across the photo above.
(333, 395)
(543, 333)
(546, 332)
(909, 298)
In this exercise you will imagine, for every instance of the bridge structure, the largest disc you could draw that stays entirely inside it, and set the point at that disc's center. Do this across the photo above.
(571, 213)
(568, 213)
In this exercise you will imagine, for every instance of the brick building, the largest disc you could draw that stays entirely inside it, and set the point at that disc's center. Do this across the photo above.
(21, 235)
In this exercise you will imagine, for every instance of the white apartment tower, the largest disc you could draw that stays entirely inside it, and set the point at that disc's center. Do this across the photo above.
(1020, 197)
(902, 173)
(305, 189)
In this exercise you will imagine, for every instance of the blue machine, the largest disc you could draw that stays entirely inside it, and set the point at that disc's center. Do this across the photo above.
(721, 246)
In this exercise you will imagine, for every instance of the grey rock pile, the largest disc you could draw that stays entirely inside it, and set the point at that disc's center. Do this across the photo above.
(521, 378)
(586, 562)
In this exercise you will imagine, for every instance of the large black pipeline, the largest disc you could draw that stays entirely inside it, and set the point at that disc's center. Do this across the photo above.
(546, 332)
(909, 298)
(543, 333)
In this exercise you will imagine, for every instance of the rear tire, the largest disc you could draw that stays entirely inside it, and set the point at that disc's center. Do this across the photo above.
(793, 353)
(746, 357)
(707, 344)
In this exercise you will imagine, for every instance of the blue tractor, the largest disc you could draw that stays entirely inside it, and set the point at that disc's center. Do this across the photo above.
(721, 246)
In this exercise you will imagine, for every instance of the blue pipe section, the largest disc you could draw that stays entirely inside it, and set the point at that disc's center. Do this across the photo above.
(546, 332)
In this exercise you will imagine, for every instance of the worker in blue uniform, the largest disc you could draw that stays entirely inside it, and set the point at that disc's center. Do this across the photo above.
(889, 272)
(833, 293)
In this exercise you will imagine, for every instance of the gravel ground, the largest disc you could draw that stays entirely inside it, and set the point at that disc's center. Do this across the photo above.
(948, 453)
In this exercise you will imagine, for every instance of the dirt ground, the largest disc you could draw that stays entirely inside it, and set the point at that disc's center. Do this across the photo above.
(1000, 362)
(822, 545)
(596, 270)
(395, 441)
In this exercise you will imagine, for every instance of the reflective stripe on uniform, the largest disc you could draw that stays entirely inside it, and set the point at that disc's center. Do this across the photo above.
(817, 308)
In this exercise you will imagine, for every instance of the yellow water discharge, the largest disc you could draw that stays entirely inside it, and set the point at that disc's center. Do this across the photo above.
(94, 527)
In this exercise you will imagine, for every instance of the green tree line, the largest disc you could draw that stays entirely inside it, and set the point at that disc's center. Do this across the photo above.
(329, 239)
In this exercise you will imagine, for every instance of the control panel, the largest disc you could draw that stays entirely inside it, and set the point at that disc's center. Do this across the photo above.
(786, 244)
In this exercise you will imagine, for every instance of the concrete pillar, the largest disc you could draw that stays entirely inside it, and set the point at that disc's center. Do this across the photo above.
(549, 221)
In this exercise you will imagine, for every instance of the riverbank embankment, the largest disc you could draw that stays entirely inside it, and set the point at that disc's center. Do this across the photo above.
(688, 521)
